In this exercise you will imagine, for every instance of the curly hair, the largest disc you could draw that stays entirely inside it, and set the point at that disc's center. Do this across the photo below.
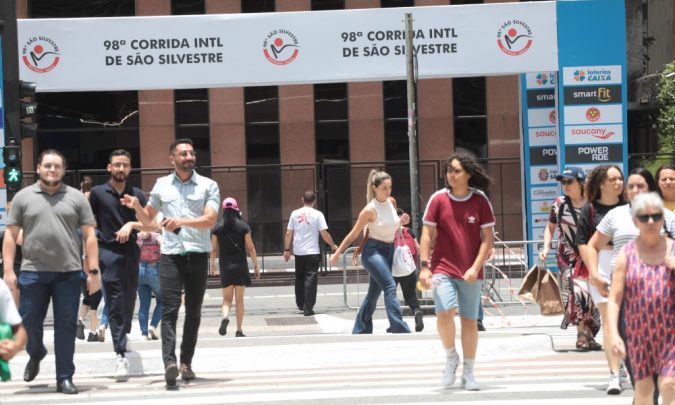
(479, 178)
(595, 180)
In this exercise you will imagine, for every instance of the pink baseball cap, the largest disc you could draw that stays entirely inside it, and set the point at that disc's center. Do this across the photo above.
(230, 203)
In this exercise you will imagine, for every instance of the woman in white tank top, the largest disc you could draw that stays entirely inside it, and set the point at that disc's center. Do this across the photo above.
(379, 215)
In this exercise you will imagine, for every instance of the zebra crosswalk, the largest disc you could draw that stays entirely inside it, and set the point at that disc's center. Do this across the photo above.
(556, 378)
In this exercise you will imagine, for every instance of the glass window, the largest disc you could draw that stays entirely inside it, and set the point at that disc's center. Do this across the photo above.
(183, 7)
(79, 8)
(318, 5)
(470, 110)
(330, 101)
(257, 6)
(261, 104)
(458, 2)
(397, 3)
(192, 106)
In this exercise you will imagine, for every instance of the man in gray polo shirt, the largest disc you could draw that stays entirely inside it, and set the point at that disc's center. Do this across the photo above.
(50, 214)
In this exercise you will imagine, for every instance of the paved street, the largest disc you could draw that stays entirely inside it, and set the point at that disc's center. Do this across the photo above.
(289, 358)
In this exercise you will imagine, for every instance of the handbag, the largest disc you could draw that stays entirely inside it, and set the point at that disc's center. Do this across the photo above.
(403, 263)
(540, 286)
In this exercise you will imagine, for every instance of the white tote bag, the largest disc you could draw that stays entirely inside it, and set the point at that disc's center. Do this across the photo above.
(404, 263)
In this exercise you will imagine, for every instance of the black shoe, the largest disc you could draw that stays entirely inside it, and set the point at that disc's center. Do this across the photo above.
(93, 337)
(419, 321)
(170, 375)
(309, 312)
(388, 330)
(66, 386)
(32, 369)
(186, 372)
(239, 334)
(481, 327)
(223, 326)
(79, 332)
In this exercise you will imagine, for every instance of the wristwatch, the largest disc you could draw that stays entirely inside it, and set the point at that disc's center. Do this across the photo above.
(93, 271)
(424, 264)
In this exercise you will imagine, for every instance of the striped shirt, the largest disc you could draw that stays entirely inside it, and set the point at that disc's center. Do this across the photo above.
(618, 225)
(177, 199)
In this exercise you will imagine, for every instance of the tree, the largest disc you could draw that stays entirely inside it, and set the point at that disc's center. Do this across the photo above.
(666, 99)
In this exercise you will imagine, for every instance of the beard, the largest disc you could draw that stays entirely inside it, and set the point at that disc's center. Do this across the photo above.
(50, 183)
(187, 165)
(119, 177)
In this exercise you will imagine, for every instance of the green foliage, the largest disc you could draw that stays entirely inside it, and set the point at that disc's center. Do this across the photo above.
(666, 99)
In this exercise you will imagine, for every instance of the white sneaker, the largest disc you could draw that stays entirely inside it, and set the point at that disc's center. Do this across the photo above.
(614, 386)
(624, 379)
(121, 369)
(469, 381)
(449, 376)
(152, 333)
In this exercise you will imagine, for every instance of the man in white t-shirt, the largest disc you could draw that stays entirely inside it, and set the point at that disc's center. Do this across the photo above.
(304, 228)
(10, 314)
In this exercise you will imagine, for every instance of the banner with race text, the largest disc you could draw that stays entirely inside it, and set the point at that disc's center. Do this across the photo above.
(221, 50)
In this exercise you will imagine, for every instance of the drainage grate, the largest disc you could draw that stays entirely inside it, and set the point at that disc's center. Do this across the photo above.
(291, 320)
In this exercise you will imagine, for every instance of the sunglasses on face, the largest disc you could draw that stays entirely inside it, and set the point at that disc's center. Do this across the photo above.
(567, 182)
(644, 218)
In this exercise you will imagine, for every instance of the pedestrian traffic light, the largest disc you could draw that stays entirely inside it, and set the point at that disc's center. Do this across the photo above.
(13, 174)
(28, 109)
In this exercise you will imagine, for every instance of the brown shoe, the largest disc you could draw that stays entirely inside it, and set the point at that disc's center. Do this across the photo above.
(186, 372)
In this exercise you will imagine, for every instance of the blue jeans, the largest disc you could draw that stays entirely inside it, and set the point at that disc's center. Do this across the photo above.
(376, 258)
(148, 284)
(63, 288)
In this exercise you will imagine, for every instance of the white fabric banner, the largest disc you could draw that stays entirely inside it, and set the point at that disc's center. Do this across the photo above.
(172, 52)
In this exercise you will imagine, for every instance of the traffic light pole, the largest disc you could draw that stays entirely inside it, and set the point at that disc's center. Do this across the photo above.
(10, 70)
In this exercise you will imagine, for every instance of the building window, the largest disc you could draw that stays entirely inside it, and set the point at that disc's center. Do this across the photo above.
(318, 5)
(187, 7)
(87, 126)
(470, 115)
(192, 121)
(396, 138)
(331, 119)
(79, 8)
(264, 181)
(460, 2)
(257, 6)
(397, 3)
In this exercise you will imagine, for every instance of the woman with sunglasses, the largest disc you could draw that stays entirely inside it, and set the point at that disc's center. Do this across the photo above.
(565, 214)
(618, 227)
(665, 178)
(644, 283)
(604, 190)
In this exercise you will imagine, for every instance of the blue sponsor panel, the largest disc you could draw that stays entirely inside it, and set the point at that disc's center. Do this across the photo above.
(540, 154)
(3, 189)
(592, 66)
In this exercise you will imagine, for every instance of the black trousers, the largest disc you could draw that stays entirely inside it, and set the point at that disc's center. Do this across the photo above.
(408, 287)
(177, 273)
(119, 272)
(306, 269)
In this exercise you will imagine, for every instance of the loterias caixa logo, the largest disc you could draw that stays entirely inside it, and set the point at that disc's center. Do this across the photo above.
(40, 54)
(514, 37)
(281, 47)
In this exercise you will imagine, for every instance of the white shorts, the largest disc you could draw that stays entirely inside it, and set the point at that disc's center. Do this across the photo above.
(605, 271)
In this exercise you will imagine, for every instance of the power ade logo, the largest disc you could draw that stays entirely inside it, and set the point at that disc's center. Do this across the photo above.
(281, 47)
(40, 54)
(514, 37)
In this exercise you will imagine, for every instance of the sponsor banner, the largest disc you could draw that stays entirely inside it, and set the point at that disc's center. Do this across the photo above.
(540, 220)
(608, 94)
(543, 136)
(3, 190)
(590, 75)
(598, 154)
(543, 175)
(594, 114)
(541, 207)
(220, 50)
(588, 134)
(541, 117)
(539, 98)
(544, 155)
(541, 80)
(544, 193)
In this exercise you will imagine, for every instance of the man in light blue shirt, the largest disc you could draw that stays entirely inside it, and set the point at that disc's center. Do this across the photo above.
(189, 205)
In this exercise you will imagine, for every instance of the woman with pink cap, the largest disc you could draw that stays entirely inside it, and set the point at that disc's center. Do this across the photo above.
(230, 240)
